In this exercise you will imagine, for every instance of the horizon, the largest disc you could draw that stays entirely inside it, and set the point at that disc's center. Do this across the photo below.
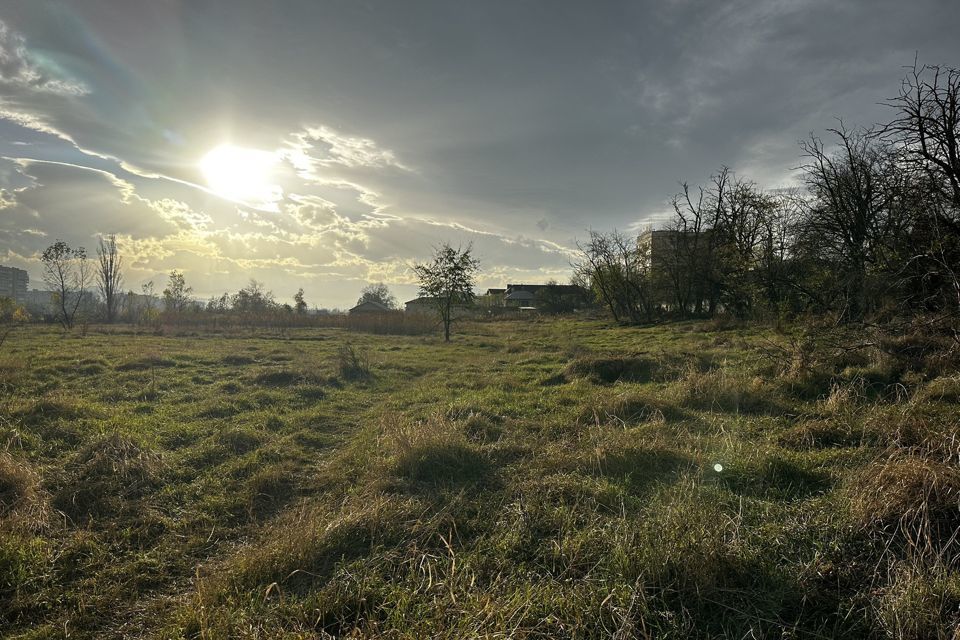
(331, 146)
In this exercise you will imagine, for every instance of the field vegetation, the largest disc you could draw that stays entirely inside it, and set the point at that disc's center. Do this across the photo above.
(561, 478)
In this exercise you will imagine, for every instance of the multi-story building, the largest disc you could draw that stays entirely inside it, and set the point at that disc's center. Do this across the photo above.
(14, 283)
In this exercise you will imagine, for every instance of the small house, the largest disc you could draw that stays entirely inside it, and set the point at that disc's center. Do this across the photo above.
(370, 306)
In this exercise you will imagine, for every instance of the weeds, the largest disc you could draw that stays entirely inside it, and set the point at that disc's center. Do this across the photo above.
(353, 364)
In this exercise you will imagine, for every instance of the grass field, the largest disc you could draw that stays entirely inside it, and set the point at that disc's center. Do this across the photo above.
(543, 479)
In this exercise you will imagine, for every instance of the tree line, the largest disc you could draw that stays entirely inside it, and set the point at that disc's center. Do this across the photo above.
(447, 280)
(874, 228)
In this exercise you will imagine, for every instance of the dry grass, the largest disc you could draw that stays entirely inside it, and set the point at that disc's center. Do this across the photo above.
(628, 407)
(105, 476)
(919, 603)
(724, 389)
(911, 498)
(21, 498)
(818, 434)
(433, 451)
(641, 493)
(607, 370)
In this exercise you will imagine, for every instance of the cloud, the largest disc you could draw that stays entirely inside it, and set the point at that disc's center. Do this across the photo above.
(321, 146)
(21, 70)
(514, 126)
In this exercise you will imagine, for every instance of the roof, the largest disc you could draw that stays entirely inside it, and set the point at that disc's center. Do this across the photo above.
(533, 288)
(370, 305)
(493, 292)
(421, 300)
(520, 294)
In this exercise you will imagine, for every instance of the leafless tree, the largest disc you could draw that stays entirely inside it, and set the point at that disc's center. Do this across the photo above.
(926, 131)
(928, 128)
(617, 270)
(109, 275)
(692, 267)
(67, 273)
(853, 209)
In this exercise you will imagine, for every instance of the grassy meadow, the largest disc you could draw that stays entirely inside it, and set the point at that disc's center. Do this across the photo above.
(556, 478)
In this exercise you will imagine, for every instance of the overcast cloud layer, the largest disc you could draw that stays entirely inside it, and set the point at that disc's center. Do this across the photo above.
(514, 125)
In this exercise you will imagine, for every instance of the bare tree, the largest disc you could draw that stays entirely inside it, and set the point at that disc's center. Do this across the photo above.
(67, 273)
(616, 269)
(448, 280)
(928, 128)
(109, 275)
(927, 133)
(691, 267)
(852, 211)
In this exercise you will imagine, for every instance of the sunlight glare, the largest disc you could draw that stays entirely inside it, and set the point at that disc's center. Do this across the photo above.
(242, 174)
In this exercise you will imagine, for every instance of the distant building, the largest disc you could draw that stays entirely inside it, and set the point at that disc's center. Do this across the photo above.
(428, 306)
(420, 305)
(547, 297)
(519, 298)
(14, 283)
(41, 302)
(38, 301)
(676, 256)
(370, 306)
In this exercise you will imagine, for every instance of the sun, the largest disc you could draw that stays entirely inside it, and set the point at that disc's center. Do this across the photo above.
(242, 174)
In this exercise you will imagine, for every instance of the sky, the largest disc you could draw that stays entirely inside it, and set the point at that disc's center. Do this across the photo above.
(328, 144)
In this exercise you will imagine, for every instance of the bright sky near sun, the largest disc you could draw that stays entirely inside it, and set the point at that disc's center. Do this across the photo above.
(329, 144)
(243, 175)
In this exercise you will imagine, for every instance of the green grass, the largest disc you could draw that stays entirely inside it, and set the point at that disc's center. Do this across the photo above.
(558, 478)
